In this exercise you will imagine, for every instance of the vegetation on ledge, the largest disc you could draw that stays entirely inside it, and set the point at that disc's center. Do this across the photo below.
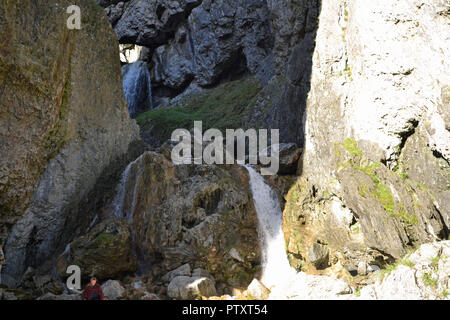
(382, 193)
(224, 107)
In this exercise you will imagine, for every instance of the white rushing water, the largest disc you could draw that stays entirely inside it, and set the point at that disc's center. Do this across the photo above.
(275, 264)
(129, 53)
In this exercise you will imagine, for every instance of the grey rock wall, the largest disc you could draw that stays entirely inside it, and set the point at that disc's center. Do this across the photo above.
(65, 130)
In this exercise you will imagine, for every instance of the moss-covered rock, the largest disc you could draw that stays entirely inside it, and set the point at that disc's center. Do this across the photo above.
(13, 294)
(367, 212)
(106, 252)
(393, 212)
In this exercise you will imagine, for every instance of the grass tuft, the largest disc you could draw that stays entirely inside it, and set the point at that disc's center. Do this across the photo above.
(429, 280)
(351, 146)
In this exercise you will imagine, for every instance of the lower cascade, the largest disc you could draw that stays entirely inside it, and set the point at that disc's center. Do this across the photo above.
(276, 268)
(137, 87)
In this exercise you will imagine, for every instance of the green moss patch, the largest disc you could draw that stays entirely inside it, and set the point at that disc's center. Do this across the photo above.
(391, 267)
(105, 238)
(429, 280)
(351, 146)
(378, 190)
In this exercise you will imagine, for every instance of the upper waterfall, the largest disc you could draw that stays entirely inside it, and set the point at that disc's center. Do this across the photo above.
(275, 264)
(137, 87)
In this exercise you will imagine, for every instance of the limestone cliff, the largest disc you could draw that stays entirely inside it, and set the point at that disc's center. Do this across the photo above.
(375, 121)
(63, 126)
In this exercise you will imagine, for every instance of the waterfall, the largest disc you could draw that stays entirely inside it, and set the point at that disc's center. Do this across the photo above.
(275, 264)
(123, 207)
(137, 87)
(125, 204)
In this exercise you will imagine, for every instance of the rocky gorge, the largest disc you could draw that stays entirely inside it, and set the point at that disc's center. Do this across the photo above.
(360, 93)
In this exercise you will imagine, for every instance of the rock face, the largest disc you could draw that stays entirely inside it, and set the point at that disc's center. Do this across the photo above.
(191, 214)
(205, 41)
(295, 26)
(105, 252)
(148, 23)
(375, 167)
(63, 126)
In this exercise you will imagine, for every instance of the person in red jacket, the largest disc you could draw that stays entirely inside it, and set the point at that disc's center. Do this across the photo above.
(93, 291)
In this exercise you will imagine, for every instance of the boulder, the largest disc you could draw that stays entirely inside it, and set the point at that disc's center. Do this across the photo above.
(191, 214)
(106, 252)
(188, 288)
(429, 251)
(42, 284)
(184, 270)
(113, 290)
(401, 284)
(362, 268)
